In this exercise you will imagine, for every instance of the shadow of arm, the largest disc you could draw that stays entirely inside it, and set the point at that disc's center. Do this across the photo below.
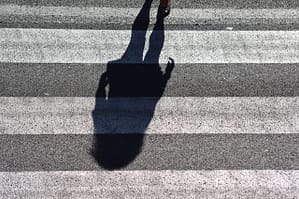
(101, 93)
(168, 71)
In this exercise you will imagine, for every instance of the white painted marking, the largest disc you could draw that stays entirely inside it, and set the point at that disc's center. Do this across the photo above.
(181, 115)
(150, 184)
(128, 14)
(102, 46)
(229, 28)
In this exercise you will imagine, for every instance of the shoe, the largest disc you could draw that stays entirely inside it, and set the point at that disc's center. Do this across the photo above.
(164, 11)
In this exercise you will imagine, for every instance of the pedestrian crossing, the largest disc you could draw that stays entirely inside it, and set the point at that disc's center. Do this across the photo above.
(173, 115)
(103, 18)
(225, 126)
(91, 46)
(145, 184)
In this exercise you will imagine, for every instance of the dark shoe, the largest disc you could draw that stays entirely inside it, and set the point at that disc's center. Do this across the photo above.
(164, 11)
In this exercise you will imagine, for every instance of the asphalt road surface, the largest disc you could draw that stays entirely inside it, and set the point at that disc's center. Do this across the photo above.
(91, 105)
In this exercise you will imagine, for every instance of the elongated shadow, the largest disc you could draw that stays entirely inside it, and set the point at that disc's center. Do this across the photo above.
(128, 93)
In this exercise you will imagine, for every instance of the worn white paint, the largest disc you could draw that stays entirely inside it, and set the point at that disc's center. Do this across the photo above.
(150, 184)
(129, 14)
(178, 115)
(101, 46)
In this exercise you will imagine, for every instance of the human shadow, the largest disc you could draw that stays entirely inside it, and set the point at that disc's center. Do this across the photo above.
(128, 93)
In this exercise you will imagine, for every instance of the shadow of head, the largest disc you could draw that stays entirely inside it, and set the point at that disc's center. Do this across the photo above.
(116, 151)
(127, 96)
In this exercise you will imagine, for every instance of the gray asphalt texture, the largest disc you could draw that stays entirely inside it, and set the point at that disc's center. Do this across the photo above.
(159, 152)
(116, 23)
(151, 152)
(197, 80)
(113, 21)
(41, 23)
(177, 4)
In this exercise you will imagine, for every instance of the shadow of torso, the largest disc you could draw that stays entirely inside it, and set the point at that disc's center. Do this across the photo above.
(134, 80)
(121, 120)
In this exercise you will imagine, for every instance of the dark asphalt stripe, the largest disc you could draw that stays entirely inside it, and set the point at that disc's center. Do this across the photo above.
(246, 4)
(202, 80)
(93, 25)
(149, 152)
(120, 23)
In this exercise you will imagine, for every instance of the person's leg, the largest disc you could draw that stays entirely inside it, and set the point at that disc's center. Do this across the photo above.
(165, 6)
(164, 3)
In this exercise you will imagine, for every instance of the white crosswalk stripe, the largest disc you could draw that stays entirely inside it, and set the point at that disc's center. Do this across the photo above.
(226, 126)
(145, 184)
(91, 46)
(173, 115)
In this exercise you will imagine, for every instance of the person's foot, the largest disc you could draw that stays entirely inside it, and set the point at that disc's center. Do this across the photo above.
(163, 11)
